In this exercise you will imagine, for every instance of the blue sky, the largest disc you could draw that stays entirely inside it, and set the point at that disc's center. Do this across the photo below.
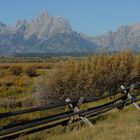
(92, 17)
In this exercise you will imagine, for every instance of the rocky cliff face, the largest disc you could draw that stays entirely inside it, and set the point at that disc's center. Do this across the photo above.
(46, 26)
(125, 37)
(44, 34)
(53, 34)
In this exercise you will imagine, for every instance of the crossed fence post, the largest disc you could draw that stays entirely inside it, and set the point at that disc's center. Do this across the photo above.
(76, 109)
(128, 94)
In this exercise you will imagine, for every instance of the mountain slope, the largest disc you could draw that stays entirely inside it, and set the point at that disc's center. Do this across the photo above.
(53, 34)
(125, 37)
(44, 34)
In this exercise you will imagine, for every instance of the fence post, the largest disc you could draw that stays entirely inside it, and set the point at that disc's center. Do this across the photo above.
(76, 109)
(128, 93)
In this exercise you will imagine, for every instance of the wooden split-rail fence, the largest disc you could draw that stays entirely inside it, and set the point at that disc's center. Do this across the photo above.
(75, 113)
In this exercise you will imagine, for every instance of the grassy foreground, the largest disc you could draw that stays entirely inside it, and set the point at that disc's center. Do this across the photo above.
(29, 83)
(115, 125)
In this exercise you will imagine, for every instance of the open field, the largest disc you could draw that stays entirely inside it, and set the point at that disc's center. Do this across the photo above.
(26, 83)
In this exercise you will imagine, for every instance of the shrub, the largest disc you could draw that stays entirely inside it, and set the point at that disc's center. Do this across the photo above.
(23, 81)
(4, 66)
(137, 65)
(16, 70)
(7, 80)
(88, 77)
(12, 103)
(31, 71)
(28, 102)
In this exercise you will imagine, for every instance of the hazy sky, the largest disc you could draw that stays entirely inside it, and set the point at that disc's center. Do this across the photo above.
(92, 17)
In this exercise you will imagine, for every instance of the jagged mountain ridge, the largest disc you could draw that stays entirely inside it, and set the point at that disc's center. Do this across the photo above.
(126, 37)
(44, 34)
(53, 34)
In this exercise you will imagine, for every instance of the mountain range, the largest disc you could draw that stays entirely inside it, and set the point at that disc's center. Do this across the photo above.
(53, 34)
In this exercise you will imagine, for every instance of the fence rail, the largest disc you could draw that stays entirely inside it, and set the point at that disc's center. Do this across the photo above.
(11, 131)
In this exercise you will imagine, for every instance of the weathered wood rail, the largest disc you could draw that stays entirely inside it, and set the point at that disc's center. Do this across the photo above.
(11, 131)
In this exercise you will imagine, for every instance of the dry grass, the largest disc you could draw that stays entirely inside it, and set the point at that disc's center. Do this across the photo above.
(74, 78)
(115, 125)
(126, 126)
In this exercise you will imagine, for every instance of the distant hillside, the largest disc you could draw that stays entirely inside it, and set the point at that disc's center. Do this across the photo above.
(43, 34)
(53, 34)
(125, 37)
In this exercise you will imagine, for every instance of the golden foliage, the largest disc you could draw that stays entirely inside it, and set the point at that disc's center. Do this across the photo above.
(16, 70)
(31, 70)
(88, 77)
